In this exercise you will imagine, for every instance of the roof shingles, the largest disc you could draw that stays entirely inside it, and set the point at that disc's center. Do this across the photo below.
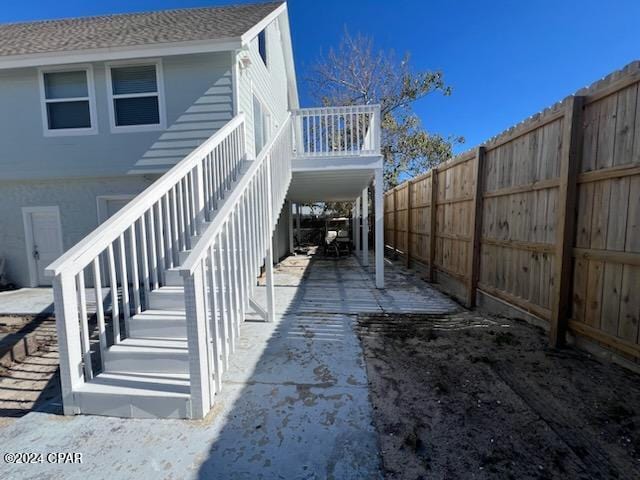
(129, 30)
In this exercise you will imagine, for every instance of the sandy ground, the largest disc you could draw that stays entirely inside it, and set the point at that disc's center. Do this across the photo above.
(465, 396)
(32, 383)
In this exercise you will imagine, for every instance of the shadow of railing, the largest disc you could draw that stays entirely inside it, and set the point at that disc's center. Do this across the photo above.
(298, 407)
(31, 382)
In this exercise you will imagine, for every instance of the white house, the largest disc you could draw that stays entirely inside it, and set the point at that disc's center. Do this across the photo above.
(156, 156)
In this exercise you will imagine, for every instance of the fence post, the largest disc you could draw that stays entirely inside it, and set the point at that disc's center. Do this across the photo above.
(395, 222)
(196, 317)
(408, 233)
(432, 223)
(476, 227)
(561, 291)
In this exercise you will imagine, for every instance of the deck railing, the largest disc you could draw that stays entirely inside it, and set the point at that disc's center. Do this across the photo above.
(131, 250)
(221, 270)
(336, 131)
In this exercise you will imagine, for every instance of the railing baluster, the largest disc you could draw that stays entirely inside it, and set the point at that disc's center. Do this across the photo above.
(135, 280)
(97, 288)
(181, 222)
(174, 226)
(126, 308)
(252, 234)
(167, 231)
(242, 259)
(229, 298)
(235, 273)
(214, 306)
(85, 345)
(160, 242)
(224, 313)
(115, 306)
(192, 206)
(205, 188)
(153, 255)
(144, 260)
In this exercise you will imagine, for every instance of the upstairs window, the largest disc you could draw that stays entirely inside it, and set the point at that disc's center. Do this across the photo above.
(261, 125)
(135, 97)
(262, 45)
(67, 102)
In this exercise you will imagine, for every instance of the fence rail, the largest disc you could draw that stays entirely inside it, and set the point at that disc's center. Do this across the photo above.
(545, 217)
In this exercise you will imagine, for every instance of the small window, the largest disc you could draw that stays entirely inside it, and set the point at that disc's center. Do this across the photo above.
(261, 125)
(135, 96)
(262, 45)
(67, 102)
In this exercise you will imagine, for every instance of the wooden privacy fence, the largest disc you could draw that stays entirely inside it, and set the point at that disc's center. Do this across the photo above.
(544, 217)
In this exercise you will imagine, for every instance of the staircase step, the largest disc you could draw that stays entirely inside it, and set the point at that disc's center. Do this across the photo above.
(167, 298)
(148, 355)
(135, 395)
(172, 277)
(158, 324)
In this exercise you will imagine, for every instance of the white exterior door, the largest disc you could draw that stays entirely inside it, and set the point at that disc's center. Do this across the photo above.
(44, 241)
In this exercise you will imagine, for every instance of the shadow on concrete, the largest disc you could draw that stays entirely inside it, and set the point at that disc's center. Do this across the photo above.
(29, 372)
(298, 407)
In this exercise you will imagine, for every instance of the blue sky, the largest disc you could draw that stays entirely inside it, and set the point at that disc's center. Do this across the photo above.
(504, 59)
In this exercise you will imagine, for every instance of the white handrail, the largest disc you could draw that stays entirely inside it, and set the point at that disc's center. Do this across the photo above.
(97, 241)
(220, 272)
(227, 206)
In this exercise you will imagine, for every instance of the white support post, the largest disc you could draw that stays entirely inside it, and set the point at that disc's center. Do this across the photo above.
(197, 342)
(357, 228)
(290, 215)
(365, 227)
(299, 223)
(271, 300)
(379, 225)
(68, 330)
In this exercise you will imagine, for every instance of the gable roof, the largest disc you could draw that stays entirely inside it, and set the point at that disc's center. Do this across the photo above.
(131, 30)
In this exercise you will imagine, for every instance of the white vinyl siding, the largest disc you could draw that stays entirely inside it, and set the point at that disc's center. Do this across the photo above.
(268, 84)
(68, 106)
(135, 96)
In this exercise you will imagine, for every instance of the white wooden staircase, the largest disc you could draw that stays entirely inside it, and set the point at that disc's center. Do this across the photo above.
(185, 251)
(180, 264)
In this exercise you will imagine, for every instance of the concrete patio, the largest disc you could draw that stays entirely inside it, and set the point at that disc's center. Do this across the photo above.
(294, 404)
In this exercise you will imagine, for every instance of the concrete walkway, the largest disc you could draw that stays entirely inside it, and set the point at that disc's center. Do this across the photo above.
(39, 301)
(295, 403)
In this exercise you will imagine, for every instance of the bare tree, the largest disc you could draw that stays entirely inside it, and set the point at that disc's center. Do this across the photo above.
(356, 74)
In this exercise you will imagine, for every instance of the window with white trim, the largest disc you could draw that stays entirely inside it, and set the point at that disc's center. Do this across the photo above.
(261, 125)
(135, 96)
(67, 100)
(262, 46)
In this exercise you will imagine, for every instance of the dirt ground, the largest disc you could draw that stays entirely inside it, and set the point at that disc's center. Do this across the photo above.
(466, 397)
(31, 383)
